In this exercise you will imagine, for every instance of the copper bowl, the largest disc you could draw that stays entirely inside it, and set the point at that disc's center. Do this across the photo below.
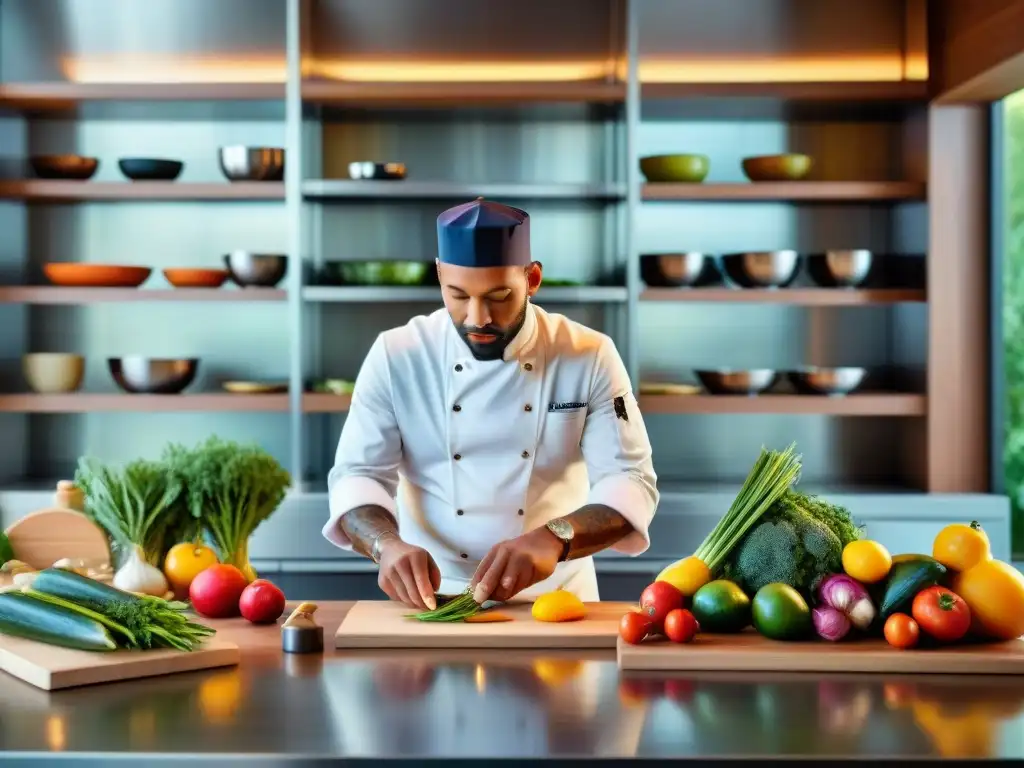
(74, 167)
(95, 275)
(788, 167)
(184, 277)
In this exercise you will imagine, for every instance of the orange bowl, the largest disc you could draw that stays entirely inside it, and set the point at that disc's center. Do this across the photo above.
(96, 275)
(196, 278)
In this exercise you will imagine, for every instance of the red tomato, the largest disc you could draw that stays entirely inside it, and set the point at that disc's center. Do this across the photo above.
(215, 591)
(680, 626)
(634, 627)
(901, 631)
(658, 600)
(941, 613)
(261, 602)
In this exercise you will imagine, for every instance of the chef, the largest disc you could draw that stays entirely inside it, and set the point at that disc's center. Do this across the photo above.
(490, 445)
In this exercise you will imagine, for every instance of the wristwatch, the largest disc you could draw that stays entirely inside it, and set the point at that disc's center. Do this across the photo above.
(378, 540)
(563, 531)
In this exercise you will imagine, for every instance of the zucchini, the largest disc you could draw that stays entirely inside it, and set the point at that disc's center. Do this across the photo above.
(87, 592)
(23, 616)
(908, 576)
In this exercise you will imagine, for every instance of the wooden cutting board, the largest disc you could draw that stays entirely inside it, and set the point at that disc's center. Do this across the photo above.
(42, 538)
(382, 624)
(51, 668)
(750, 652)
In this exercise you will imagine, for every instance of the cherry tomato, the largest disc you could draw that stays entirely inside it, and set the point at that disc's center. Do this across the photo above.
(941, 613)
(901, 631)
(680, 626)
(658, 600)
(634, 627)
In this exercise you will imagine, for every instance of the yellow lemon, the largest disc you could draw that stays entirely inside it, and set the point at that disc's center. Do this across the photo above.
(688, 575)
(866, 561)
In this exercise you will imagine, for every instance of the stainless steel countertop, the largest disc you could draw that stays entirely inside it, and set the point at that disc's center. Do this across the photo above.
(443, 704)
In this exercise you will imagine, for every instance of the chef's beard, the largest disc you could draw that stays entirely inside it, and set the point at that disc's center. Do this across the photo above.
(492, 350)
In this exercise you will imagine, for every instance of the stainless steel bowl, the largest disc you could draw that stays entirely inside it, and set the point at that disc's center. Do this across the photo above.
(380, 171)
(725, 381)
(760, 269)
(827, 381)
(843, 269)
(152, 376)
(675, 270)
(256, 269)
(241, 163)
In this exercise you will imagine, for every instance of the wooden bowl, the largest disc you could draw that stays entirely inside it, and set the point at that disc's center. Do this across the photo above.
(69, 167)
(95, 275)
(675, 168)
(196, 278)
(791, 167)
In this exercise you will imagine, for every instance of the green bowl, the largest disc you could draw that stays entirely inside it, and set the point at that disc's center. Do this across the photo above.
(377, 272)
(675, 168)
(789, 167)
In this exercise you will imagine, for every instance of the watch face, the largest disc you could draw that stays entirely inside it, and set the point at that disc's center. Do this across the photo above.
(561, 529)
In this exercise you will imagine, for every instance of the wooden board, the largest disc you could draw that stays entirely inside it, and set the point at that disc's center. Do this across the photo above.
(382, 624)
(44, 537)
(749, 652)
(51, 668)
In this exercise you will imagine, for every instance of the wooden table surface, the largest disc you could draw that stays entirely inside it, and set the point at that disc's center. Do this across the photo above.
(446, 704)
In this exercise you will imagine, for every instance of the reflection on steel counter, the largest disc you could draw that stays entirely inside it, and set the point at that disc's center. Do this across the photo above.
(519, 707)
(720, 714)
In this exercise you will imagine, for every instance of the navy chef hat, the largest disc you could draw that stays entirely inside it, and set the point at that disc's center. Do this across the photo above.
(484, 234)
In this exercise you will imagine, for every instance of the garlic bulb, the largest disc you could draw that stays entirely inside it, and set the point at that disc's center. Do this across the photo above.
(136, 575)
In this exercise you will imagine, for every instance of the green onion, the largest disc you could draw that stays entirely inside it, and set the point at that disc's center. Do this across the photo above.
(458, 609)
(771, 476)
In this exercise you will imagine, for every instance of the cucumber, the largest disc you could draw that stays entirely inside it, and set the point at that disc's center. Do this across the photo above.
(908, 576)
(69, 585)
(23, 616)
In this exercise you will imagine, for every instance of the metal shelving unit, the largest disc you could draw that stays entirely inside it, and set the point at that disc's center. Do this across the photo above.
(618, 198)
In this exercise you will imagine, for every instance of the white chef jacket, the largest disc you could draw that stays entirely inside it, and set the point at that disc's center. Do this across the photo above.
(467, 453)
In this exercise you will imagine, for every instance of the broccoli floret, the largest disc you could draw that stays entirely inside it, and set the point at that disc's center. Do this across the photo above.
(797, 542)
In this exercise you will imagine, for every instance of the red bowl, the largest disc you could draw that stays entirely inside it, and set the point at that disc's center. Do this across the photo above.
(196, 278)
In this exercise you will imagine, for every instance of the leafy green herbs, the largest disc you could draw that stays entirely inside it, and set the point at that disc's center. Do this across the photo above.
(230, 489)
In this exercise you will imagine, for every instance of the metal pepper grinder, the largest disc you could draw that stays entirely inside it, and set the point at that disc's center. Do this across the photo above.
(300, 633)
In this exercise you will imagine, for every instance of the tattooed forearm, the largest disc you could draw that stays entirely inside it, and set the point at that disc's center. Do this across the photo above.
(364, 524)
(595, 527)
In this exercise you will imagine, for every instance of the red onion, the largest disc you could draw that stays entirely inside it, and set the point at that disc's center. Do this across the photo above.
(848, 597)
(829, 623)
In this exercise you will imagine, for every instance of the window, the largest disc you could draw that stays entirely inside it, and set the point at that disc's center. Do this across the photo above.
(1009, 239)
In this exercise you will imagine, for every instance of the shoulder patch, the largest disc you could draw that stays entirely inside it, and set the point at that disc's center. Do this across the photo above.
(620, 408)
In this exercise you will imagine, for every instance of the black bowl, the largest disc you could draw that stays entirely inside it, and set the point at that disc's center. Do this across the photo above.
(150, 168)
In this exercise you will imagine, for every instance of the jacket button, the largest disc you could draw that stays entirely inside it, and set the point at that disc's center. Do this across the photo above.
(527, 407)
(459, 512)
(528, 366)
(458, 367)
(464, 556)
(526, 454)
(457, 456)
(521, 513)
(456, 407)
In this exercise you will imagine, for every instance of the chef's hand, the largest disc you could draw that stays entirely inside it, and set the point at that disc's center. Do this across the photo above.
(513, 565)
(408, 574)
